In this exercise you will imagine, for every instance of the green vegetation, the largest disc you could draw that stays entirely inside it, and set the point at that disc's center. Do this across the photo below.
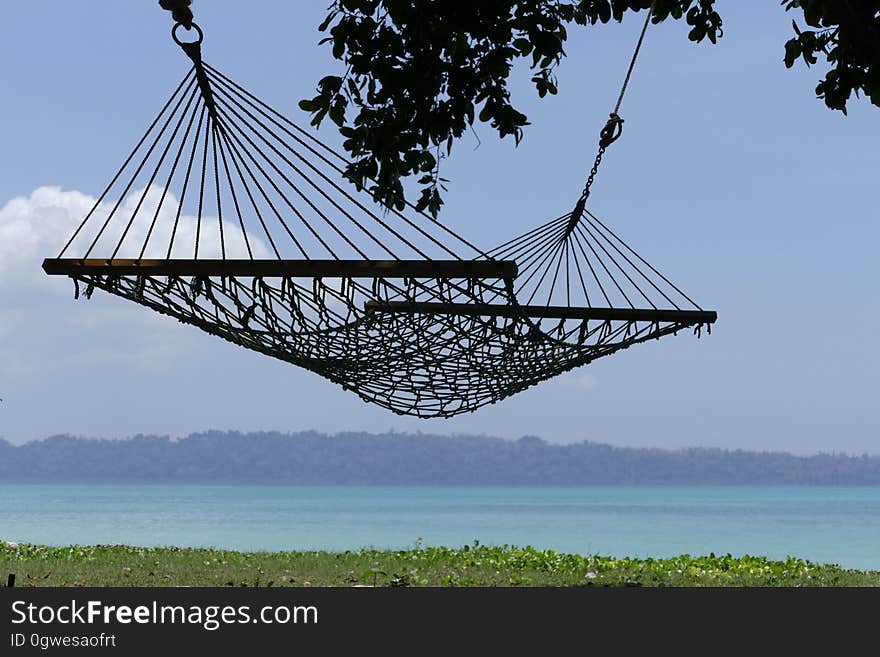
(390, 459)
(476, 565)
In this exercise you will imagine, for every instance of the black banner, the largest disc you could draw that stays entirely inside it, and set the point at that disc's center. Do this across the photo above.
(407, 621)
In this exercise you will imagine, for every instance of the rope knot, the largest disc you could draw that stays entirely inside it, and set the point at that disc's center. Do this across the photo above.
(612, 131)
(180, 11)
(576, 214)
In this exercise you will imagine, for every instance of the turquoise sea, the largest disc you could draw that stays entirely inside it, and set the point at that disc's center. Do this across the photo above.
(824, 524)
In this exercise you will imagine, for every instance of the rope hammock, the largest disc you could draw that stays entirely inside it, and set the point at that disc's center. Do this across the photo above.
(229, 217)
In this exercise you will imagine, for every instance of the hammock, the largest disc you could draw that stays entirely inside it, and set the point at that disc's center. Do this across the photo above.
(229, 217)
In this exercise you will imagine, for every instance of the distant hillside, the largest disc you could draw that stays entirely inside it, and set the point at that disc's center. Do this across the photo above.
(361, 458)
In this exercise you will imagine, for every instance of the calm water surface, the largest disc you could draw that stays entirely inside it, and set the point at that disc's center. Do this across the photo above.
(826, 524)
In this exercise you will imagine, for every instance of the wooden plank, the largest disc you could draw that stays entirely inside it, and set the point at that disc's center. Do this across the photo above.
(545, 312)
(292, 268)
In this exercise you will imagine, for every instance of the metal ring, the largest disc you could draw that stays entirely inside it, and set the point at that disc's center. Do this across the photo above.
(182, 43)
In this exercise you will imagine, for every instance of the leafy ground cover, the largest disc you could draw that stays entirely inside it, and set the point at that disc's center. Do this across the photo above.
(472, 565)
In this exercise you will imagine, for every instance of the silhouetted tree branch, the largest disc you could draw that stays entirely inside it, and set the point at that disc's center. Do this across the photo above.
(419, 73)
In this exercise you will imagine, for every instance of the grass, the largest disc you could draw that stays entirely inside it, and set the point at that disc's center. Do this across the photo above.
(475, 565)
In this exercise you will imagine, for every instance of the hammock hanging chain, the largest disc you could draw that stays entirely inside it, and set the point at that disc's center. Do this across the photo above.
(610, 133)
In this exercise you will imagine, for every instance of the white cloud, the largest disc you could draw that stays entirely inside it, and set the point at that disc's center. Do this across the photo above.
(35, 227)
(38, 226)
(41, 322)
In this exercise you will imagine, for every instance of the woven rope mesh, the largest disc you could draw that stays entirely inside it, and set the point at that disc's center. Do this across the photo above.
(229, 217)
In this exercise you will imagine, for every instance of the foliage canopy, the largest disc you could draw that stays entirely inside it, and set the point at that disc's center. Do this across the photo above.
(419, 73)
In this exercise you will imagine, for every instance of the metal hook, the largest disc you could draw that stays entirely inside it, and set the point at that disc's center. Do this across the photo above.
(612, 131)
(200, 36)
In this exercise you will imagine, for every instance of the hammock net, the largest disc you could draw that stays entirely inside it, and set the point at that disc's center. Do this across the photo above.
(229, 217)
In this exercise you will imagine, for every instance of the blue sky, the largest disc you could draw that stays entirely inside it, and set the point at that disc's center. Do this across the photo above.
(730, 177)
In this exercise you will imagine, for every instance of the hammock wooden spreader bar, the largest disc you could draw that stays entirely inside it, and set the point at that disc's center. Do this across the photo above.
(653, 315)
(433, 269)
